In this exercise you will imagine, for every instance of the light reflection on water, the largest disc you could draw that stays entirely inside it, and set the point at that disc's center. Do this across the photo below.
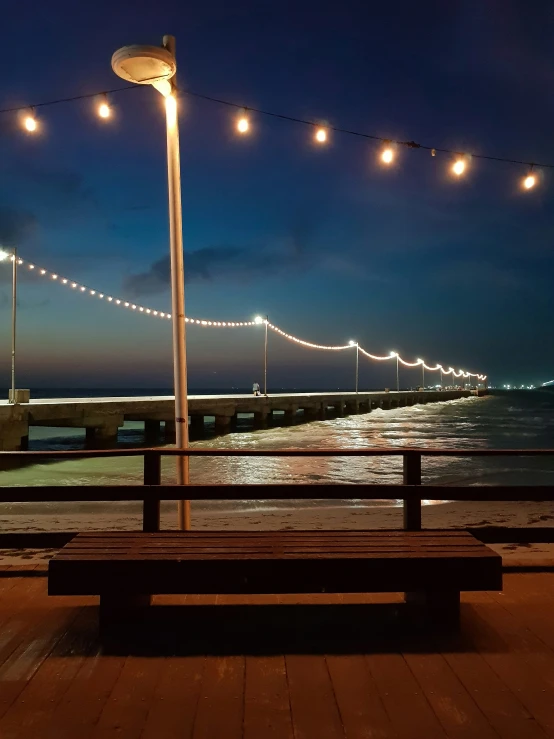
(493, 422)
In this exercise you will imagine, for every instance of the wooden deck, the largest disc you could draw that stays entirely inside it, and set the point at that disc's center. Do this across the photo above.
(293, 672)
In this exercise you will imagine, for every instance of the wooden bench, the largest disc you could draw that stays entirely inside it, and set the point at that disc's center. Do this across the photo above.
(125, 569)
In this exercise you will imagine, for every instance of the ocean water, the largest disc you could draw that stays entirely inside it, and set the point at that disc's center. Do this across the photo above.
(510, 421)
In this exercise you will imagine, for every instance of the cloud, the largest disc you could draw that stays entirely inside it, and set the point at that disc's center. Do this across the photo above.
(231, 262)
(15, 225)
(213, 263)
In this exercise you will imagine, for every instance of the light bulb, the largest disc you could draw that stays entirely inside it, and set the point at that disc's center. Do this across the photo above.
(530, 181)
(459, 167)
(321, 135)
(104, 110)
(258, 319)
(387, 155)
(243, 124)
(30, 123)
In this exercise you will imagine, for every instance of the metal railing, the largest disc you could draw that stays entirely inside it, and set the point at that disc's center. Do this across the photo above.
(152, 492)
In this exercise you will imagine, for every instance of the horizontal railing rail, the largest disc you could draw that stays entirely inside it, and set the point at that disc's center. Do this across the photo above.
(152, 493)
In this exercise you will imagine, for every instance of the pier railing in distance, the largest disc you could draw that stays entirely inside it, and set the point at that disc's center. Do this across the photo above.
(412, 491)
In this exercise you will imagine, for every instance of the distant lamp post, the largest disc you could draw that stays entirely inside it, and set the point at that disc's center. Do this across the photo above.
(156, 66)
(12, 255)
(422, 363)
(259, 320)
(395, 354)
(355, 343)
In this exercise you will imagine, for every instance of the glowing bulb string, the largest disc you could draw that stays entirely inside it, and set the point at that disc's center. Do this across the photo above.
(85, 290)
(321, 130)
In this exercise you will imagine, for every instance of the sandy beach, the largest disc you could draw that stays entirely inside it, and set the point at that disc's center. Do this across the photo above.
(310, 515)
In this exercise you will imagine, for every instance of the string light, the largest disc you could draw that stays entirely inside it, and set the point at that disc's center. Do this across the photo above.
(257, 321)
(309, 344)
(459, 166)
(104, 110)
(243, 124)
(321, 135)
(387, 155)
(30, 122)
(529, 181)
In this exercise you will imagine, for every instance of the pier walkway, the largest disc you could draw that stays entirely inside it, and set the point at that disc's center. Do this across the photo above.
(317, 673)
(102, 417)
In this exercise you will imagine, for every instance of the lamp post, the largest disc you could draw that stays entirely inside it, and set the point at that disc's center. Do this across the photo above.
(259, 320)
(395, 354)
(355, 343)
(13, 256)
(422, 363)
(156, 66)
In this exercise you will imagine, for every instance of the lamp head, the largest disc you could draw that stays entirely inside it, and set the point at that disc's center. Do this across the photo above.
(145, 65)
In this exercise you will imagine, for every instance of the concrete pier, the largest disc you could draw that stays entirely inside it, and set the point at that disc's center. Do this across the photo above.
(102, 417)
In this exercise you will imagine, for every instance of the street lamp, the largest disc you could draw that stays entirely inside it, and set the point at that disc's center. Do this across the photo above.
(259, 320)
(156, 66)
(12, 255)
(355, 343)
(422, 363)
(395, 354)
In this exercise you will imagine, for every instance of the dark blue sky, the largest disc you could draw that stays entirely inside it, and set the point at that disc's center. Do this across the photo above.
(322, 239)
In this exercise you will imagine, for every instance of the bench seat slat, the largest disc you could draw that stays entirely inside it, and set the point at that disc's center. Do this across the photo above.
(281, 562)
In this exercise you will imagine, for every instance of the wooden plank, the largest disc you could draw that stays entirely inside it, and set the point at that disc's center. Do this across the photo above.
(361, 709)
(369, 542)
(221, 705)
(314, 709)
(407, 707)
(126, 710)
(267, 710)
(178, 555)
(340, 534)
(173, 707)
(34, 707)
(515, 673)
(271, 576)
(273, 553)
(81, 705)
(454, 707)
(504, 711)
(291, 491)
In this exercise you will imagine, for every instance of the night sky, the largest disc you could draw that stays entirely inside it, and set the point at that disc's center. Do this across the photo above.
(325, 240)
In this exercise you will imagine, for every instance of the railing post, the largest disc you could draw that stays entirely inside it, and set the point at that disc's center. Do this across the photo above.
(412, 476)
(152, 476)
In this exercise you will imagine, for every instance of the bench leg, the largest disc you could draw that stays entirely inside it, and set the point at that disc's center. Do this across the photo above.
(118, 610)
(443, 605)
